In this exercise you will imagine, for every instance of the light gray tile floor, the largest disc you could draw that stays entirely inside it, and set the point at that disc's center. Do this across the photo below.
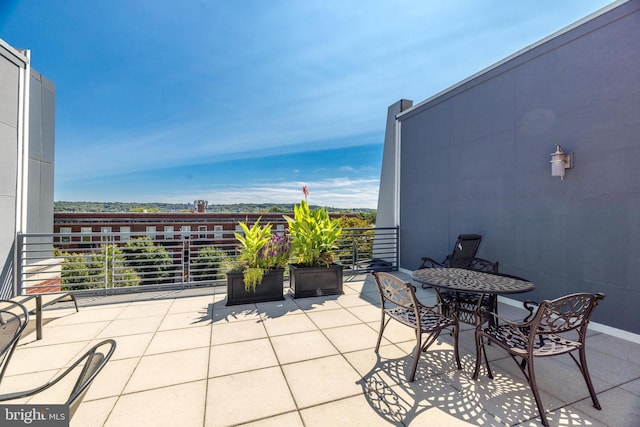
(183, 358)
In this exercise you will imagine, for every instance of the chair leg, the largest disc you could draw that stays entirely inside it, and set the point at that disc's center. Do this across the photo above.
(382, 326)
(456, 351)
(416, 355)
(479, 349)
(587, 378)
(493, 303)
(445, 310)
(486, 361)
(7, 358)
(39, 317)
(75, 302)
(432, 338)
(536, 394)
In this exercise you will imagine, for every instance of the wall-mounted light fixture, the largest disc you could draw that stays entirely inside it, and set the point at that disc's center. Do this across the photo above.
(560, 161)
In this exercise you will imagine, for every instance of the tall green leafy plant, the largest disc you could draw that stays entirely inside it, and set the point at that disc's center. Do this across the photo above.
(252, 240)
(314, 235)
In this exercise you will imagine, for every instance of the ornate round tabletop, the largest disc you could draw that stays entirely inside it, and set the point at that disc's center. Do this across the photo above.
(459, 279)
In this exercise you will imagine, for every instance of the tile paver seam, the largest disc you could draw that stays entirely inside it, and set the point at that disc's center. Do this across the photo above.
(124, 387)
(361, 393)
(137, 363)
(279, 362)
(210, 308)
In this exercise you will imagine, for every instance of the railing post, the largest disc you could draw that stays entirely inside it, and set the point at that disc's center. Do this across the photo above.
(18, 283)
(397, 240)
(113, 265)
(186, 270)
(354, 253)
(106, 266)
(182, 270)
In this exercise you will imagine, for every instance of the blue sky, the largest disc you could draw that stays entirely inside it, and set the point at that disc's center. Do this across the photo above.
(246, 101)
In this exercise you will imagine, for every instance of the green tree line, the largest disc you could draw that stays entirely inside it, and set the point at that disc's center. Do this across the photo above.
(118, 207)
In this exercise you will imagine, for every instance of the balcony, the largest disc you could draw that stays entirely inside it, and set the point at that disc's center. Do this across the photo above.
(184, 358)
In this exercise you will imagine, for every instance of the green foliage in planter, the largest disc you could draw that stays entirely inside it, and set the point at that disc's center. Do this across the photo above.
(252, 277)
(252, 241)
(314, 235)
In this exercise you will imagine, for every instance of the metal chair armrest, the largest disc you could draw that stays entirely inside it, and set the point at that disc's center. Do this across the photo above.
(439, 308)
(432, 308)
(22, 394)
(430, 263)
(447, 310)
(530, 306)
(481, 312)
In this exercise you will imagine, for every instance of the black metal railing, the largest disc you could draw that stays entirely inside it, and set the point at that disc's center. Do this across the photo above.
(97, 262)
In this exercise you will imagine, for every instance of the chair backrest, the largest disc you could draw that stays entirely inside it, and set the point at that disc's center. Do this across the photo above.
(89, 365)
(565, 314)
(465, 247)
(94, 360)
(13, 320)
(394, 290)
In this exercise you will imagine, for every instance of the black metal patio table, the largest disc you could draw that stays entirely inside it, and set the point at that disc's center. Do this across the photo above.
(460, 280)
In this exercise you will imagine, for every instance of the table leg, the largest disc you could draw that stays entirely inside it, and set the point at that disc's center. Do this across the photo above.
(39, 317)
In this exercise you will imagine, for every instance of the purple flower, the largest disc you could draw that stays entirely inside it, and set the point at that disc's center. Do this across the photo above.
(275, 253)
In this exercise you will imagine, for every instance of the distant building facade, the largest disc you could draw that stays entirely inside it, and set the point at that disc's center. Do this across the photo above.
(202, 228)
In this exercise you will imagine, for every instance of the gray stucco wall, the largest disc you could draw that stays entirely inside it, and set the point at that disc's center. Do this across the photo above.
(37, 165)
(41, 155)
(10, 65)
(386, 213)
(476, 160)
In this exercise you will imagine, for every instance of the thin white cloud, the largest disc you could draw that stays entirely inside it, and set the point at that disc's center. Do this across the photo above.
(334, 82)
(335, 192)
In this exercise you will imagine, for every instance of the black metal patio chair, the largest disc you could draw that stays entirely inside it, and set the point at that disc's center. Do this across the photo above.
(89, 365)
(13, 320)
(465, 248)
(398, 301)
(551, 331)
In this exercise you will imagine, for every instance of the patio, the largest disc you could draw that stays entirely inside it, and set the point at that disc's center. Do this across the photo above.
(184, 358)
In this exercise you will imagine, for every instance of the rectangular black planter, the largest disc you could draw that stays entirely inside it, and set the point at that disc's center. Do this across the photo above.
(269, 290)
(315, 281)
